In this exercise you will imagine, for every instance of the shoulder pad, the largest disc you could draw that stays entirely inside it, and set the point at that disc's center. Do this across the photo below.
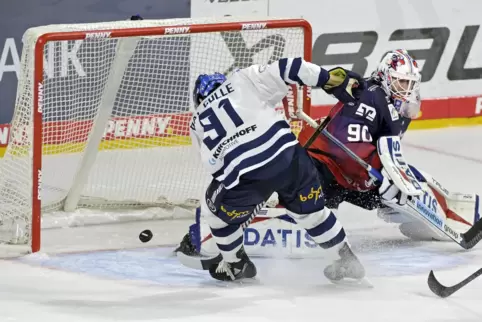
(380, 94)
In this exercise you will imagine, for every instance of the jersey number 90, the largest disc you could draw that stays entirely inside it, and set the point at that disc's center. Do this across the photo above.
(359, 133)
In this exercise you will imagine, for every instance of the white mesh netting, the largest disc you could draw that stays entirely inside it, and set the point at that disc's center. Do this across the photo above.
(137, 92)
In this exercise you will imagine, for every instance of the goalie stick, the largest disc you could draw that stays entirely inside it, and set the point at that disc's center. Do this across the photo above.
(466, 240)
(445, 291)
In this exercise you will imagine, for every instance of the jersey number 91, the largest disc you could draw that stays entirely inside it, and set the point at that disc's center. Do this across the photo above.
(214, 124)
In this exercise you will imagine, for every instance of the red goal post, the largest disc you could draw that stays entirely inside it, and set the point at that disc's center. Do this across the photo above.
(48, 96)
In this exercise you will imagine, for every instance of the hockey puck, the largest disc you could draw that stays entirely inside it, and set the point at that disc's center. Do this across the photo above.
(145, 236)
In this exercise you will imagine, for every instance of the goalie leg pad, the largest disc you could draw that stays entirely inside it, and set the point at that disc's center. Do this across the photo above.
(420, 231)
(453, 213)
(418, 175)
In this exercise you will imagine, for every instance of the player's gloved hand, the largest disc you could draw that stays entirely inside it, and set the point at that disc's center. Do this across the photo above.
(345, 85)
(389, 191)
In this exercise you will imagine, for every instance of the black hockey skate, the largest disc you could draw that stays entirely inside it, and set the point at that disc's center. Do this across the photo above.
(186, 246)
(225, 271)
(348, 267)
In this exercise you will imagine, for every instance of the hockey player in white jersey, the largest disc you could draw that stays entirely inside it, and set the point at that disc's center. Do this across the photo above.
(250, 151)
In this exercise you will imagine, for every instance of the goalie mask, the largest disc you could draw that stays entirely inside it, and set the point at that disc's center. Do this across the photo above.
(206, 84)
(400, 77)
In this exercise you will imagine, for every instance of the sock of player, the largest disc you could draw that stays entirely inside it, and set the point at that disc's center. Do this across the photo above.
(228, 238)
(323, 227)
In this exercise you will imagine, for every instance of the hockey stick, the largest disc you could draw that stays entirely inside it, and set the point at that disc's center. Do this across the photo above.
(205, 262)
(198, 262)
(445, 291)
(372, 172)
(466, 240)
(319, 129)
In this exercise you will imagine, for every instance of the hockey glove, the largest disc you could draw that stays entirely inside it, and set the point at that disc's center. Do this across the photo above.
(345, 85)
(389, 191)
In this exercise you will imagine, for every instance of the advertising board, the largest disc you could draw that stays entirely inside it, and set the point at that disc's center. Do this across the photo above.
(444, 36)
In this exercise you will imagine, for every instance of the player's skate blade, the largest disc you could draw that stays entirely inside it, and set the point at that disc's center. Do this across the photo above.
(237, 271)
(347, 270)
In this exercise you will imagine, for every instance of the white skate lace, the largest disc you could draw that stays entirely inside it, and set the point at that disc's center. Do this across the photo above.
(225, 267)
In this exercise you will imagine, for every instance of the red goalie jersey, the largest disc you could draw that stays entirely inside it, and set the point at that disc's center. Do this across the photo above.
(347, 173)
(358, 126)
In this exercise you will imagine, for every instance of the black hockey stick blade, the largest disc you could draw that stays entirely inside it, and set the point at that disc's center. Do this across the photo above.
(472, 236)
(445, 291)
(316, 133)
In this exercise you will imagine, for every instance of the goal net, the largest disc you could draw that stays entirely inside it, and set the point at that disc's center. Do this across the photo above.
(102, 113)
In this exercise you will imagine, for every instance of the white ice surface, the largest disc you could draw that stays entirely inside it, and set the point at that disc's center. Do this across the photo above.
(71, 280)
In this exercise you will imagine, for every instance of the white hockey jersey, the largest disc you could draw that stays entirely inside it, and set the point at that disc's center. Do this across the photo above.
(237, 128)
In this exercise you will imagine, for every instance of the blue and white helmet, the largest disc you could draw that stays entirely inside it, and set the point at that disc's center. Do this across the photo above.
(400, 77)
(206, 84)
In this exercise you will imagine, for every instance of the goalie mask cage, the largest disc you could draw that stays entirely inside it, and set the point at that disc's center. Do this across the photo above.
(102, 113)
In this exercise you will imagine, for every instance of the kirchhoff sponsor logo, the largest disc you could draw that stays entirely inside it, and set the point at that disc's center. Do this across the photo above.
(231, 141)
(254, 26)
(177, 30)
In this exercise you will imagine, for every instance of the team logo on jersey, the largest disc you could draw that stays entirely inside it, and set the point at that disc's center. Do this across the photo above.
(312, 195)
(211, 206)
(366, 111)
(211, 197)
(393, 112)
(234, 213)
